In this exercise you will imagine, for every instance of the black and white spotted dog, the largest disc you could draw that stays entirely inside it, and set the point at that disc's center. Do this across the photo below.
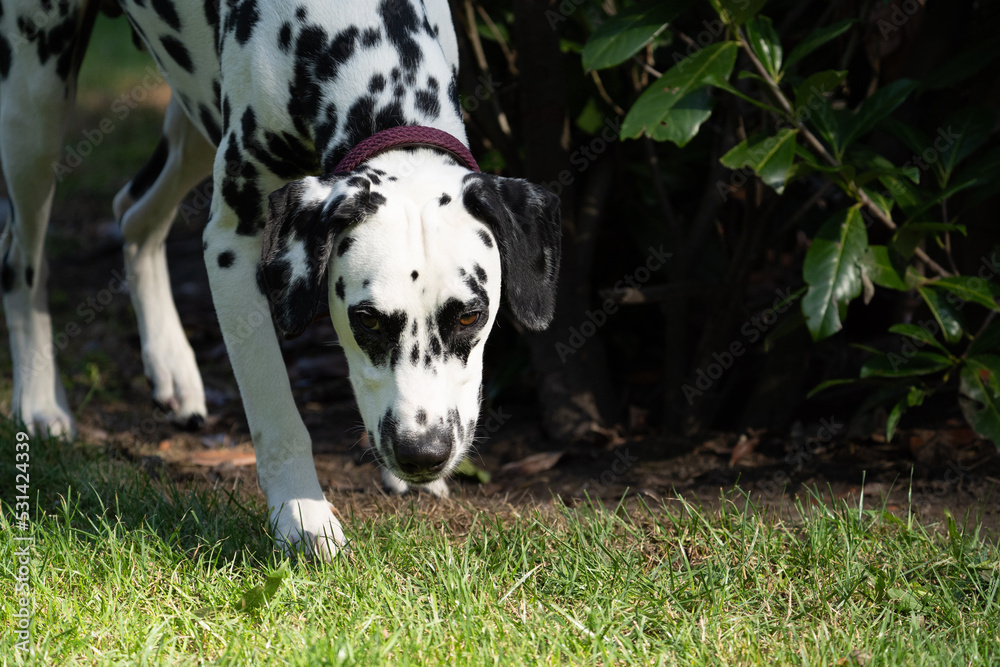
(269, 97)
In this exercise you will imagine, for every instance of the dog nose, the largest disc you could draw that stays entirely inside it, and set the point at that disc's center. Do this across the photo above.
(422, 455)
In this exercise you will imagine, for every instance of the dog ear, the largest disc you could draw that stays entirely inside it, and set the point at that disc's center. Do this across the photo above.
(525, 220)
(303, 219)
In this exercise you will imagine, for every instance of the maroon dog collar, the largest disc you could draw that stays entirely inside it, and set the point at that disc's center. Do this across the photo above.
(404, 136)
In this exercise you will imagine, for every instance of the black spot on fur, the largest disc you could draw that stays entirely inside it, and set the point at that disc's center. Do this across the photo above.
(413, 331)
(285, 37)
(415, 354)
(484, 236)
(339, 287)
(456, 102)
(150, 171)
(211, 10)
(345, 245)
(421, 417)
(370, 37)
(241, 192)
(7, 276)
(445, 199)
(5, 57)
(427, 104)
(226, 259)
(207, 119)
(241, 19)
(283, 154)
(376, 84)
(382, 345)
(176, 50)
(414, 275)
(480, 273)
(400, 21)
(167, 12)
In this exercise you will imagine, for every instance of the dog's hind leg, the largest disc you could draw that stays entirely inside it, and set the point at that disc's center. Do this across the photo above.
(39, 61)
(146, 208)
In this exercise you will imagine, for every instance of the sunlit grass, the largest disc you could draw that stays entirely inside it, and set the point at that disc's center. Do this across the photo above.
(127, 570)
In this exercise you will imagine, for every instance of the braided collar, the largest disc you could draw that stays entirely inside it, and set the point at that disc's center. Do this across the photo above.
(406, 136)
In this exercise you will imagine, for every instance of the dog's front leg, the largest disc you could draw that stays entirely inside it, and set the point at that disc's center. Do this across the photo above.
(300, 515)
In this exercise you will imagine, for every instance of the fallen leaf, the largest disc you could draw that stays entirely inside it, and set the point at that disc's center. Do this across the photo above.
(532, 465)
(214, 457)
(744, 447)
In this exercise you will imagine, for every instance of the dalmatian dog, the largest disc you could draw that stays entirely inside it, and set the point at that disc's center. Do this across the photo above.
(275, 100)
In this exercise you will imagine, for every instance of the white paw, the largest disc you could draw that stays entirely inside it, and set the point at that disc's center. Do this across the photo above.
(393, 484)
(45, 416)
(177, 386)
(308, 526)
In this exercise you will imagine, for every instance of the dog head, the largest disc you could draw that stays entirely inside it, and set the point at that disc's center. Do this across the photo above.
(414, 251)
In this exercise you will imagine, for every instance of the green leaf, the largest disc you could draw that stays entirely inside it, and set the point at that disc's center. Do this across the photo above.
(913, 398)
(259, 595)
(468, 470)
(769, 157)
(652, 112)
(818, 38)
(898, 365)
(918, 333)
(906, 238)
(815, 91)
(737, 11)
(947, 317)
(826, 384)
(686, 118)
(878, 266)
(963, 133)
(987, 341)
(904, 192)
(882, 103)
(970, 288)
(766, 45)
(832, 271)
(978, 398)
(623, 35)
(914, 139)
(884, 204)
(591, 119)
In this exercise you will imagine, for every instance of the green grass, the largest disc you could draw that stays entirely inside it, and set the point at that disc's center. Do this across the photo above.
(130, 571)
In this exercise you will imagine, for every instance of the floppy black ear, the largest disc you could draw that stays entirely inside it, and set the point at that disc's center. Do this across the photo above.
(303, 219)
(525, 219)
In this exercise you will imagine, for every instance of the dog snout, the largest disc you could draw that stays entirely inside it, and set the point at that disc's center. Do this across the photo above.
(422, 455)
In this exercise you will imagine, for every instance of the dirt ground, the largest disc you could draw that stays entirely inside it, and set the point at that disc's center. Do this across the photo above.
(923, 470)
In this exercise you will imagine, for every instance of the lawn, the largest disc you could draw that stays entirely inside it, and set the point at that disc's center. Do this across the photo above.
(126, 569)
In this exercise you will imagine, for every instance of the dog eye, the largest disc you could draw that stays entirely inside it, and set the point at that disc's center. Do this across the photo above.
(369, 321)
(468, 319)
